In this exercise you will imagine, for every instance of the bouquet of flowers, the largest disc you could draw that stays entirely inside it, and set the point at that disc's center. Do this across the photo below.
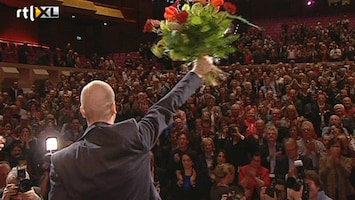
(196, 29)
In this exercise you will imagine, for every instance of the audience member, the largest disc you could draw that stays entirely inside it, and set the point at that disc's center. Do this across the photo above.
(12, 189)
(253, 177)
(308, 146)
(285, 164)
(335, 170)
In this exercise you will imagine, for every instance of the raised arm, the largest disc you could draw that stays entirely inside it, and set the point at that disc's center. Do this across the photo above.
(159, 115)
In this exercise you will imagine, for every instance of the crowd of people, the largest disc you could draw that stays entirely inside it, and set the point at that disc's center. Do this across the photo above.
(255, 130)
(298, 43)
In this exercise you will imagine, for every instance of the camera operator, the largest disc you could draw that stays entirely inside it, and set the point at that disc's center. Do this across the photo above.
(15, 190)
(297, 182)
(315, 188)
(276, 191)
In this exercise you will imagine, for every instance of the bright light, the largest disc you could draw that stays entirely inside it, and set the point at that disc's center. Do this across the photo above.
(310, 2)
(105, 24)
(51, 144)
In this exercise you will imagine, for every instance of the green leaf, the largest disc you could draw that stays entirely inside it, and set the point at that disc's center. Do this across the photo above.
(196, 20)
(211, 9)
(186, 7)
(157, 51)
(176, 56)
(205, 28)
(197, 8)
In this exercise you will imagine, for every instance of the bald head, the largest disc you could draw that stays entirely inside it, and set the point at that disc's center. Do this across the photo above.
(98, 102)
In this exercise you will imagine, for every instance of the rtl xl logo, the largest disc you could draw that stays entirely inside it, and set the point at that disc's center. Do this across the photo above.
(34, 12)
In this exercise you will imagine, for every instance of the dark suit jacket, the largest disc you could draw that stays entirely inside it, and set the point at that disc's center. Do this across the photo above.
(113, 161)
(13, 94)
(312, 112)
(264, 150)
(282, 166)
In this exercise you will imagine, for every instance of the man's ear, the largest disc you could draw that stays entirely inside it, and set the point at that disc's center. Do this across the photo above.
(114, 108)
(82, 111)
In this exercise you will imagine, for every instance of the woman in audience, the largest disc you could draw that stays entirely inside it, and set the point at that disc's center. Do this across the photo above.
(221, 157)
(335, 170)
(253, 177)
(186, 179)
(295, 132)
(291, 116)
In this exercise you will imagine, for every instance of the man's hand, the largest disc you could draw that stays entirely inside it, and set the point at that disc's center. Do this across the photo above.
(292, 171)
(203, 65)
(294, 195)
(30, 195)
(9, 191)
(265, 196)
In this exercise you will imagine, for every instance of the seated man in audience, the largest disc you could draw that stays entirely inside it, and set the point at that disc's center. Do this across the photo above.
(285, 164)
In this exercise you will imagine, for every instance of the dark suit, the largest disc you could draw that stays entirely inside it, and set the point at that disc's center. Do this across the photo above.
(282, 166)
(313, 113)
(13, 93)
(264, 150)
(113, 161)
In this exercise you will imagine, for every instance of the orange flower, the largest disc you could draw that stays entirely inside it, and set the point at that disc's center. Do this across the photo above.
(203, 2)
(182, 17)
(230, 8)
(171, 13)
(217, 3)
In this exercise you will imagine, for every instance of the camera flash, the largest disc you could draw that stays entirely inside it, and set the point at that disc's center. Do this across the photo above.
(51, 144)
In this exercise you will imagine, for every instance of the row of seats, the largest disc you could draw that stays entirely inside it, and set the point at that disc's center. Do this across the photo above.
(10, 54)
(273, 27)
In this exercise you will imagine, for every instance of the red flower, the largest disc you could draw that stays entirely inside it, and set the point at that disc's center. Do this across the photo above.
(230, 8)
(171, 13)
(176, 3)
(217, 3)
(148, 27)
(182, 17)
(155, 23)
(150, 24)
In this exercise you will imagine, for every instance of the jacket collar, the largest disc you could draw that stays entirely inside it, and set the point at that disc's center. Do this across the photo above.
(90, 128)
